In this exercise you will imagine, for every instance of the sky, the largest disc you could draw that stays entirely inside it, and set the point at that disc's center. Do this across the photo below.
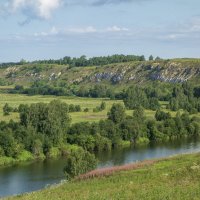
(52, 29)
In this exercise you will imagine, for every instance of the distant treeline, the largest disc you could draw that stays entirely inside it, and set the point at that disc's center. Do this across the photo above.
(81, 61)
(94, 61)
(184, 96)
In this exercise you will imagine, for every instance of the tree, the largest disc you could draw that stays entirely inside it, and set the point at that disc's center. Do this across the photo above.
(151, 58)
(7, 109)
(51, 119)
(138, 114)
(79, 162)
(160, 115)
(158, 58)
(135, 97)
(22, 61)
(37, 147)
(117, 113)
(9, 144)
(103, 106)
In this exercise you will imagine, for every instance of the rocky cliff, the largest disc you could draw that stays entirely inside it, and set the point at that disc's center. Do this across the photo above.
(173, 71)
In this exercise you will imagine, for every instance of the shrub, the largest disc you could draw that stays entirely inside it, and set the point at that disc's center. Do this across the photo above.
(86, 110)
(79, 162)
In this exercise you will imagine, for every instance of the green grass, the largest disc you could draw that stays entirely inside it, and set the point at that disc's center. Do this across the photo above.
(176, 178)
(15, 100)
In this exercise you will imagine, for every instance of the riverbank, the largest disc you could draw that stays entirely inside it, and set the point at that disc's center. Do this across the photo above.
(26, 156)
(171, 178)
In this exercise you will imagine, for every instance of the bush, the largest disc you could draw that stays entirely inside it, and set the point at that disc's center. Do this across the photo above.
(74, 108)
(86, 110)
(79, 162)
(7, 109)
(100, 108)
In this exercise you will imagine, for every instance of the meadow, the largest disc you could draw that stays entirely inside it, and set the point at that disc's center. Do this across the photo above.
(14, 100)
(173, 178)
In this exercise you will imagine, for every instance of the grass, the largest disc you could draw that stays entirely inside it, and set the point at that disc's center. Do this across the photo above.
(15, 100)
(174, 178)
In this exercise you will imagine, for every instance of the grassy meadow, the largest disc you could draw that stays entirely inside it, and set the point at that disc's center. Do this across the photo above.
(14, 100)
(173, 178)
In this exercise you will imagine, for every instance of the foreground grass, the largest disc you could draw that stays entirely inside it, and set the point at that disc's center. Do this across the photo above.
(169, 179)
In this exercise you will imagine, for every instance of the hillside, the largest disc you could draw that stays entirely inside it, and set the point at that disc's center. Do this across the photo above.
(173, 178)
(173, 71)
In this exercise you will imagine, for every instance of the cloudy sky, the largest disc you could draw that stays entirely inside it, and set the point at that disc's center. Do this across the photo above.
(43, 29)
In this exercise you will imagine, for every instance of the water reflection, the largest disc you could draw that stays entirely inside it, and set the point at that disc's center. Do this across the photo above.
(153, 150)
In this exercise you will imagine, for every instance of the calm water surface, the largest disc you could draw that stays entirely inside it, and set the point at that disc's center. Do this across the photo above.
(29, 177)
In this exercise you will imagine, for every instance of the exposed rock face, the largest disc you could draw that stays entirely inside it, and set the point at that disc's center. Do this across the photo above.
(175, 74)
(109, 76)
(138, 72)
(171, 72)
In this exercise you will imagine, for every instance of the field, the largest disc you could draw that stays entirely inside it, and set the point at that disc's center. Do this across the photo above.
(174, 178)
(14, 100)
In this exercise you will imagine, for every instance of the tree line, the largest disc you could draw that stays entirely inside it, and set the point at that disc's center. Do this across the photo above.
(81, 61)
(184, 96)
(45, 126)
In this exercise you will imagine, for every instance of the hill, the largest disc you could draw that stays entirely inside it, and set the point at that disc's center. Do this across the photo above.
(117, 75)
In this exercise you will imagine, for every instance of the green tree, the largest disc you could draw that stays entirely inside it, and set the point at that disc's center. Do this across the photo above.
(50, 119)
(151, 58)
(9, 144)
(117, 113)
(103, 106)
(138, 114)
(7, 109)
(135, 97)
(79, 162)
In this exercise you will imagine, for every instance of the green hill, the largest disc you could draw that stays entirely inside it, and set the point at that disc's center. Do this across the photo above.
(116, 75)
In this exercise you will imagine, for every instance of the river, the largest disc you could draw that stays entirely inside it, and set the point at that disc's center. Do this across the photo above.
(27, 177)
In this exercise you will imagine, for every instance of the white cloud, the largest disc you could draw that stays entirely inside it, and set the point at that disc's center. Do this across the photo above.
(81, 30)
(116, 29)
(89, 29)
(36, 8)
(43, 8)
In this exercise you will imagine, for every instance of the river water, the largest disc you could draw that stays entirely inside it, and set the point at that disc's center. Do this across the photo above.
(28, 177)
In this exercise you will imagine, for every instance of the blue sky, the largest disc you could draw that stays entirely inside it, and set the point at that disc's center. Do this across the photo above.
(44, 29)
